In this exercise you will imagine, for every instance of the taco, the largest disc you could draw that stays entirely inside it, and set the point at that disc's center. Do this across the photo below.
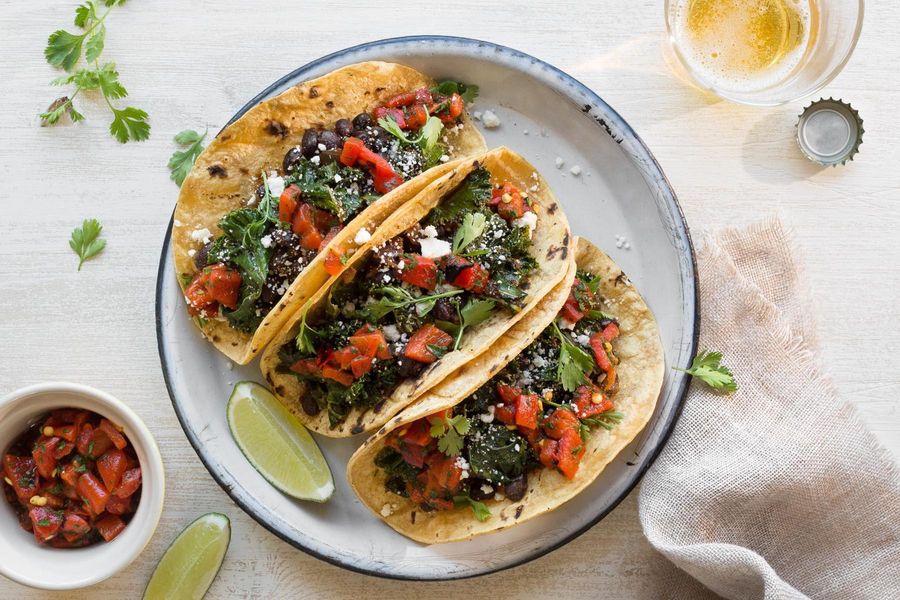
(315, 168)
(438, 283)
(529, 424)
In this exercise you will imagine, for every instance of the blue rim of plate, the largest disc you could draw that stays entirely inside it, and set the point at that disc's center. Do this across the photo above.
(680, 224)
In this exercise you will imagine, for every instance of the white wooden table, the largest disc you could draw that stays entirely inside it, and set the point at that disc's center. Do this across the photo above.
(192, 64)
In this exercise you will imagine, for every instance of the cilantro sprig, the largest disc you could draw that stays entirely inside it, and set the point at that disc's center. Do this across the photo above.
(427, 141)
(574, 363)
(468, 92)
(305, 342)
(473, 313)
(449, 432)
(86, 240)
(481, 510)
(394, 297)
(65, 50)
(472, 227)
(181, 161)
(708, 368)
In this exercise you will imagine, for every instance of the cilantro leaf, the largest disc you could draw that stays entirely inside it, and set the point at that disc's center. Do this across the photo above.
(130, 123)
(473, 313)
(574, 363)
(108, 81)
(305, 341)
(94, 45)
(471, 229)
(450, 432)
(468, 92)
(63, 49)
(86, 240)
(427, 140)
(708, 368)
(394, 297)
(181, 161)
(482, 512)
(85, 13)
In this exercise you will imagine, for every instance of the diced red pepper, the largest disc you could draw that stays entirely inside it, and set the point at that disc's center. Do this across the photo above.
(558, 422)
(456, 105)
(508, 201)
(110, 526)
(419, 271)
(417, 433)
(549, 454)
(610, 332)
(304, 219)
(370, 342)
(311, 240)
(474, 278)
(131, 481)
(305, 366)
(111, 467)
(570, 310)
(508, 393)
(384, 178)
(63, 449)
(45, 522)
(43, 453)
(361, 365)
(528, 406)
(589, 401)
(214, 284)
(351, 150)
(118, 506)
(333, 263)
(287, 203)
(342, 377)
(597, 342)
(444, 473)
(396, 114)
(113, 433)
(74, 527)
(330, 236)
(571, 449)
(69, 475)
(404, 99)
(92, 491)
(345, 356)
(100, 444)
(66, 432)
(505, 413)
(22, 472)
(428, 335)
(416, 116)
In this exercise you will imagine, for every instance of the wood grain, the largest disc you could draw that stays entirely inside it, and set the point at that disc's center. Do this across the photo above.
(193, 63)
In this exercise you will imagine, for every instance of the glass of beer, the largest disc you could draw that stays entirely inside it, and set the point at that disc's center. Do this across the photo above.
(762, 52)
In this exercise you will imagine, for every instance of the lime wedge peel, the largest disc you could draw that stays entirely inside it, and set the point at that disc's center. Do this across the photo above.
(277, 444)
(192, 561)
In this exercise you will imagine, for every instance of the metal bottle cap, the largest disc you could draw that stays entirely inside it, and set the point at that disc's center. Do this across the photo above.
(829, 132)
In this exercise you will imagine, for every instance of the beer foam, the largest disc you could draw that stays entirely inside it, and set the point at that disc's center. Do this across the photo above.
(734, 71)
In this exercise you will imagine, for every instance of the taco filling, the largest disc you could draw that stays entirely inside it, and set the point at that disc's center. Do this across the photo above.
(324, 183)
(414, 298)
(537, 413)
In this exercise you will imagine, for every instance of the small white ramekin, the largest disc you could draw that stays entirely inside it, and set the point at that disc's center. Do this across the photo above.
(29, 563)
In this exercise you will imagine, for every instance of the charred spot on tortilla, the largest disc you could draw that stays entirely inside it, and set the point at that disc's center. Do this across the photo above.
(217, 170)
(412, 517)
(244, 171)
(621, 278)
(358, 428)
(329, 104)
(215, 338)
(313, 92)
(274, 127)
(552, 208)
(378, 90)
(519, 510)
(279, 389)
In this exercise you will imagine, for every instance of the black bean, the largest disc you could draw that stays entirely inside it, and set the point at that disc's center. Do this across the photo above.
(343, 127)
(362, 120)
(515, 489)
(201, 259)
(291, 158)
(445, 310)
(329, 139)
(310, 406)
(475, 491)
(310, 143)
(408, 368)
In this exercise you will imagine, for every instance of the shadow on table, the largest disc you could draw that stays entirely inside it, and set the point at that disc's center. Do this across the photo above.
(770, 152)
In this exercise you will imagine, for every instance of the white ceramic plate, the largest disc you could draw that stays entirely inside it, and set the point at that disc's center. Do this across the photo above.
(621, 192)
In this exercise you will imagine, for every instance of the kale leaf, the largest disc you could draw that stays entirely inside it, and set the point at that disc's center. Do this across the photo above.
(472, 195)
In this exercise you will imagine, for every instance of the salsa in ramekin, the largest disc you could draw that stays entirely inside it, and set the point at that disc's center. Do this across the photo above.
(72, 478)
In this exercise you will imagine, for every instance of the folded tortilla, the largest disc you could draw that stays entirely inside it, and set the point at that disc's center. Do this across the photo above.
(640, 375)
(229, 169)
(551, 246)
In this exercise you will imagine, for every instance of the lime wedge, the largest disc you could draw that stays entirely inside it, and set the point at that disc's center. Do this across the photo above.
(188, 567)
(277, 444)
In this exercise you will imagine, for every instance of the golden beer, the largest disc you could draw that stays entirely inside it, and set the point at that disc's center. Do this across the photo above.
(744, 45)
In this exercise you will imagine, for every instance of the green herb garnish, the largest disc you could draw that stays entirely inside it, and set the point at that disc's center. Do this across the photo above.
(482, 512)
(427, 141)
(449, 432)
(305, 341)
(181, 161)
(394, 297)
(86, 240)
(64, 50)
(472, 227)
(574, 363)
(708, 368)
(468, 92)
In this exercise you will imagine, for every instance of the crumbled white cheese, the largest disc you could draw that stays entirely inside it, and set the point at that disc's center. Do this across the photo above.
(362, 236)
(391, 333)
(575, 170)
(517, 447)
(386, 510)
(529, 220)
(583, 339)
(276, 185)
(490, 119)
(266, 241)
(315, 159)
(559, 162)
(177, 223)
(444, 158)
(321, 147)
(488, 417)
(337, 178)
(401, 264)
(434, 248)
(386, 278)
(201, 235)
(462, 463)
(192, 252)
(429, 231)
(476, 115)
(486, 489)
(498, 497)
(564, 324)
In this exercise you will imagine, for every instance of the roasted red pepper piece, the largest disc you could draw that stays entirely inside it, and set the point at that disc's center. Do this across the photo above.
(74, 527)
(214, 284)
(305, 366)
(419, 271)
(570, 310)
(571, 449)
(118, 506)
(590, 401)
(115, 436)
(417, 433)
(43, 454)
(342, 377)
(92, 491)
(600, 356)
(131, 481)
(333, 263)
(45, 522)
(111, 467)
(558, 422)
(474, 279)
(110, 526)
(416, 116)
(428, 335)
(22, 472)
(508, 201)
(287, 203)
(396, 114)
(370, 342)
(528, 407)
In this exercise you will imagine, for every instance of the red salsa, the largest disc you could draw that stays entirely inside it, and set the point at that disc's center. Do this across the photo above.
(72, 479)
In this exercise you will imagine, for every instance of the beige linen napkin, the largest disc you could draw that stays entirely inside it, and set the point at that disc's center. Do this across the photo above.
(777, 491)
